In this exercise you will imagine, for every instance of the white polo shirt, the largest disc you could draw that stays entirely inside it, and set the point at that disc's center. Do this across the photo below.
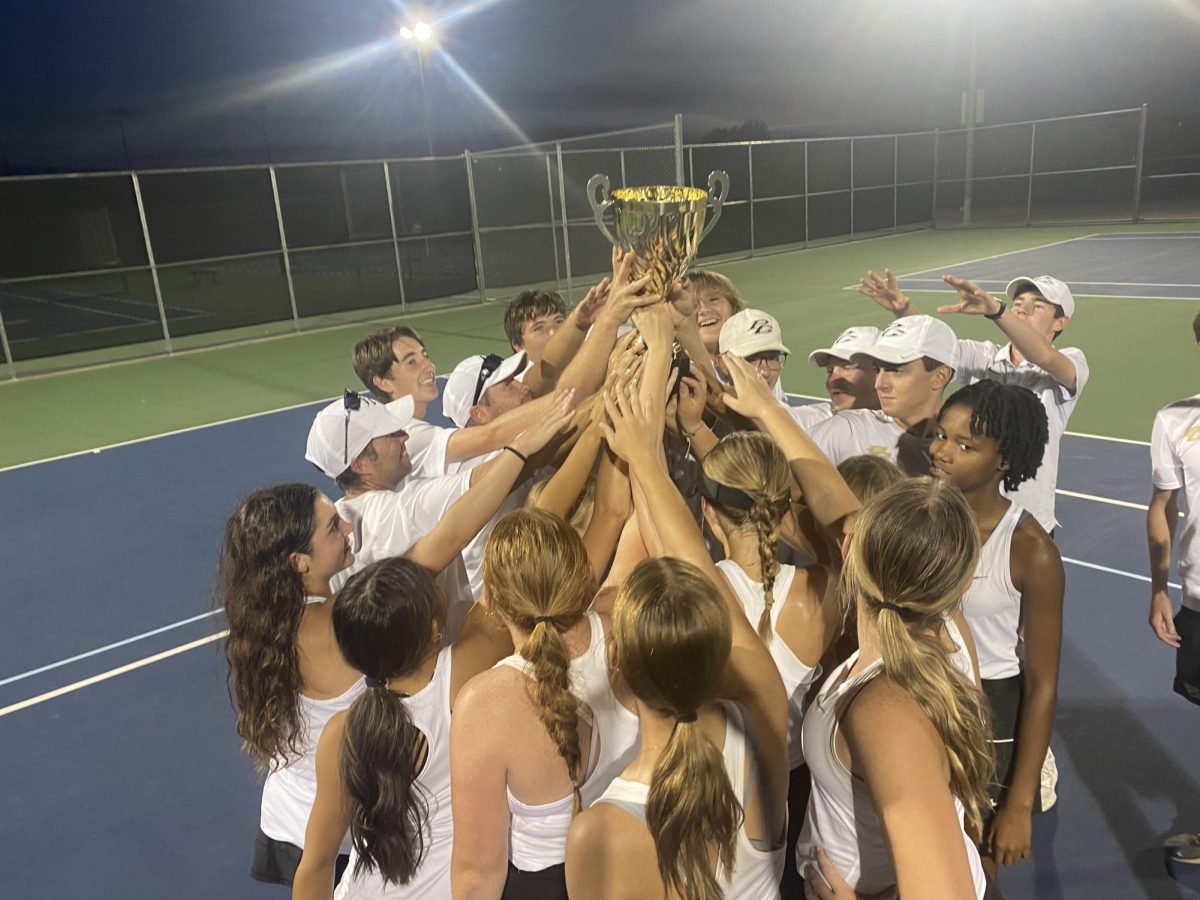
(985, 360)
(427, 449)
(388, 523)
(811, 414)
(858, 432)
(1175, 465)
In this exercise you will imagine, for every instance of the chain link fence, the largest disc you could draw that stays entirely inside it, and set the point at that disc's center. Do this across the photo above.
(102, 265)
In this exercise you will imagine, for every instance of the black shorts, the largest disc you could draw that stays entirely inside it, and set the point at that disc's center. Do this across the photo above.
(544, 884)
(1004, 695)
(1187, 657)
(275, 862)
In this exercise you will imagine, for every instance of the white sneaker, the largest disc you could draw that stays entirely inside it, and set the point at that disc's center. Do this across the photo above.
(1049, 781)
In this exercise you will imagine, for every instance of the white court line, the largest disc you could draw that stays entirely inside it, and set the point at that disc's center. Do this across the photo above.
(1129, 504)
(111, 673)
(1101, 437)
(1099, 568)
(1157, 236)
(107, 647)
(1077, 284)
(968, 262)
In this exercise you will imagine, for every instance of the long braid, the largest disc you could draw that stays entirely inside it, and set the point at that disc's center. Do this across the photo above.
(765, 518)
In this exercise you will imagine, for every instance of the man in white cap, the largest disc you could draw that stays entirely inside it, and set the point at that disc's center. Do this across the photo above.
(849, 383)
(481, 388)
(916, 358)
(360, 444)
(1039, 308)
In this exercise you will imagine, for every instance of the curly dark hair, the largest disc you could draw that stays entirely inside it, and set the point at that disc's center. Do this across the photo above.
(1014, 418)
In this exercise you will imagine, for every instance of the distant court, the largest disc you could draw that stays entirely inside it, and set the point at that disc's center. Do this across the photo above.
(1119, 264)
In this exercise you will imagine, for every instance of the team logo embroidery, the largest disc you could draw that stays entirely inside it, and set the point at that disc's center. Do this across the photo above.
(1192, 434)
(761, 326)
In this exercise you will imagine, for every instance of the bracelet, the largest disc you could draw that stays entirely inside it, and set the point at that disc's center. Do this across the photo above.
(517, 453)
(998, 313)
(690, 434)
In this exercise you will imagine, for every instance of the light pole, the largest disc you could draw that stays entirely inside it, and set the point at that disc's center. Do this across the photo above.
(421, 34)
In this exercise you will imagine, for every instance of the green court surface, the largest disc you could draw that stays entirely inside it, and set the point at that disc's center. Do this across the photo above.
(1141, 351)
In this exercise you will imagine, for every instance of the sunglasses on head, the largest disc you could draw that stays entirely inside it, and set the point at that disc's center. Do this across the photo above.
(491, 363)
(350, 401)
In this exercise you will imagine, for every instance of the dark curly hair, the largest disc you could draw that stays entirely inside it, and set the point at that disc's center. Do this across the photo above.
(1014, 418)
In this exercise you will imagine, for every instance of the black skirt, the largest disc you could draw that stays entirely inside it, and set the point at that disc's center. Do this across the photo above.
(544, 884)
(1187, 657)
(275, 862)
(1004, 695)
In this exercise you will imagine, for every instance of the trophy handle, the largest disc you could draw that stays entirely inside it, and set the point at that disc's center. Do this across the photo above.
(601, 205)
(718, 190)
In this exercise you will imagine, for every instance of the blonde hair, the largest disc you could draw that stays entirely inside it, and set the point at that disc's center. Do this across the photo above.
(914, 550)
(535, 566)
(868, 475)
(673, 638)
(580, 514)
(716, 283)
(753, 464)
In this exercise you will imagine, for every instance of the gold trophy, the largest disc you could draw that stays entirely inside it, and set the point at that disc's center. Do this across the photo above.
(663, 225)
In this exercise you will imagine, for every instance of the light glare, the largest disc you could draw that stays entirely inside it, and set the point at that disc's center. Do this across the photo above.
(422, 32)
(406, 32)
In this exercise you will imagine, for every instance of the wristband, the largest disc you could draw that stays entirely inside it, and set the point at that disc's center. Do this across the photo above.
(690, 434)
(998, 313)
(517, 453)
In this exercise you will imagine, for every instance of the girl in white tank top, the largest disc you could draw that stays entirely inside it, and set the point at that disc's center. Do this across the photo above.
(383, 767)
(542, 733)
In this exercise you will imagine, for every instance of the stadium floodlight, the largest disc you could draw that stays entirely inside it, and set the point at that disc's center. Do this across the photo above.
(406, 32)
(422, 32)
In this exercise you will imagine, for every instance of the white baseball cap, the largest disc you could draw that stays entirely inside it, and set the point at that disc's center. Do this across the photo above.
(856, 339)
(342, 430)
(751, 331)
(471, 378)
(1048, 286)
(913, 337)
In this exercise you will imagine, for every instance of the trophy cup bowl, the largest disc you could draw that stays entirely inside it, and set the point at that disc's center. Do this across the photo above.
(663, 225)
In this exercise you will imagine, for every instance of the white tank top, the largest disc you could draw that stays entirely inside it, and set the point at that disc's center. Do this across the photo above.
(960, 658)
(797, 677)
(538, 834)
(756, 872)
(840, 818)
(429, 709)
(288, 793)
(992, 606)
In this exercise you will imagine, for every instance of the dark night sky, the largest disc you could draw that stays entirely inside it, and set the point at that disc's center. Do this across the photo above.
(196, 81)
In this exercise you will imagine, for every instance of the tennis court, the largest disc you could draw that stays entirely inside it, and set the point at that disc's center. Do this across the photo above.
(123, 775)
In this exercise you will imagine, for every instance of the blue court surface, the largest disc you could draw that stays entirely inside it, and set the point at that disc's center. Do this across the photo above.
(122, 776)
(1155, 266)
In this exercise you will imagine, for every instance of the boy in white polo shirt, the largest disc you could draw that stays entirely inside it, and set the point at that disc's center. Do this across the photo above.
(360, 443)
(1175, 461)
(916, 357)
(1039, 308)
(850, 384)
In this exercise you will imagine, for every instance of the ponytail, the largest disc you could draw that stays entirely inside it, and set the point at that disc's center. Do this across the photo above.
(382, 754)
(691, 808)
(546, 651)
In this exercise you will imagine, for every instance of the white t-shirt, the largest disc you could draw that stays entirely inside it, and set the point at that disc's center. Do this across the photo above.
(985, 360)
(388, 523)
(1175, 462)
(811, 414)
(857, 432)
(473, 553)
(427, 449)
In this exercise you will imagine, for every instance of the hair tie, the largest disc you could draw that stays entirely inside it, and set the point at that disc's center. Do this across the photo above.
(686, 717)
(376, 683)
(538, 620)
(893, 607)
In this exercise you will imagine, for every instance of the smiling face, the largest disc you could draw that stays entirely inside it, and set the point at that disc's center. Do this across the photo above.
(712, 309)
(851, 385)
(384, 462)
(329, 546)
(970, 461)
(413, 372)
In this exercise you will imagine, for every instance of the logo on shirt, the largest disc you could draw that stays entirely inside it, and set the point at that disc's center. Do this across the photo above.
(1192, 434)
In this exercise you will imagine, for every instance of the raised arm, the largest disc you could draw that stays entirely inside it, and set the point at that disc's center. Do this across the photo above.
(974, 300)
(328, 821)
(561, 349)
(826, 494)
(466, 518)
(886, 292)
(1161, 518)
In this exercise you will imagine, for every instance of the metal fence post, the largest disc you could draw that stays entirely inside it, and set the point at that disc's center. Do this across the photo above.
(1029, 193)
(8, 360)
(895, 182)
(162, 310)
(806, 193)
(562, 200)
(624, 183)
(750, 173)
(387, 184)
(479, 276)
(851, 188)
(933, 192)
(678, 151)
(287, 263)
(554, 223)
(691, 166)
(1139, 160)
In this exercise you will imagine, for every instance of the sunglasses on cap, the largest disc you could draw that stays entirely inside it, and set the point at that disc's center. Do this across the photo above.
(350, 401)
(491, 363)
